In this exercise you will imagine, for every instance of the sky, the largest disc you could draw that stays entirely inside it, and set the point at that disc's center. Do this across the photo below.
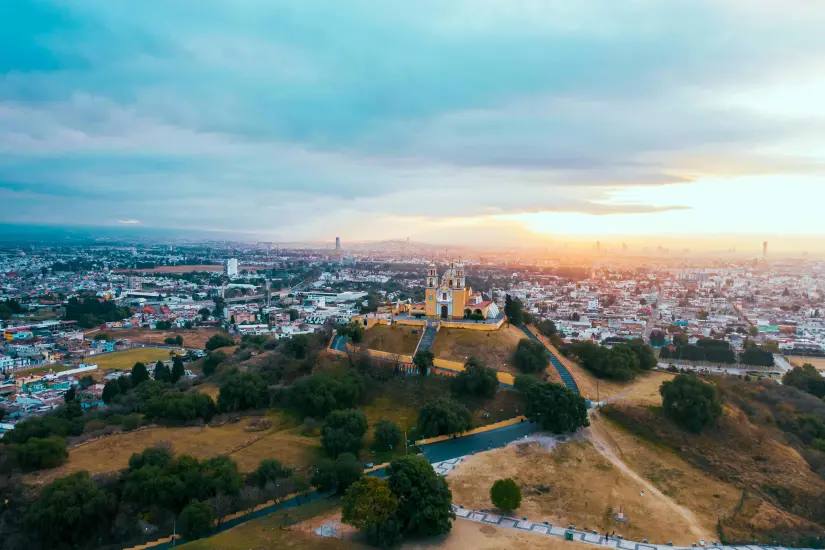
(465, 122)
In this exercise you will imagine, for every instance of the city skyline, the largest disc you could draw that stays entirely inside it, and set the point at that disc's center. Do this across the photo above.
(510, 124)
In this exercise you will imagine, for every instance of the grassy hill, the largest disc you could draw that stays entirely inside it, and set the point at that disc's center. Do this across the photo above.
(495, 347)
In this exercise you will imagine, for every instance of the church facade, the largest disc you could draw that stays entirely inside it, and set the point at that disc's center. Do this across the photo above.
(449, 297)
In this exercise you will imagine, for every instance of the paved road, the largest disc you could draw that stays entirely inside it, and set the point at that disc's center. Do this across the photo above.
(463, 446)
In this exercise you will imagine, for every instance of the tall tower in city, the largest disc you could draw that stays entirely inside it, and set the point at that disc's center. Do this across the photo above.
(337, 243)
(230, 267)
(764, 249)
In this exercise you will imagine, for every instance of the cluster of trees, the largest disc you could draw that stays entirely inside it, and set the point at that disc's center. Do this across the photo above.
(9, 308)
(757, 356)
(241, 391)
(690, 402)
(706, 349)
(91, 311)
(442, 416)
(320, 394)
(554, 407)
(807, 379)
(354, 330)
(413, 501)
(547, 328)
(219, 340)
(513, 309)
(173, 340)
(621, 362)
(530, 356)
(476, 379)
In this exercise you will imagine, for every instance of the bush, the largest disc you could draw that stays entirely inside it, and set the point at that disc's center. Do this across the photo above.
(530, 356)
(219, 341)
(505, 494)
(243, 391)
(337, 475)
(621, 362)
(173, 407)
(807, 379)
(131, 422)
(343, 432)
(442, 417)
(196, 520)
(319, 394)
(476, 379)
(40, 454)
(552, 406)
(268, 471)
(689, 402)
(210, 363)
(387, 435)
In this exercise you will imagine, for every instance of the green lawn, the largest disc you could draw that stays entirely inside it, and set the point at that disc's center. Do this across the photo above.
(44, 370)
(124, 360)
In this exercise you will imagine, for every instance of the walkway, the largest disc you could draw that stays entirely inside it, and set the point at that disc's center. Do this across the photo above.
(339, 343)
(566, 378)
(427, 338)
(462, 446)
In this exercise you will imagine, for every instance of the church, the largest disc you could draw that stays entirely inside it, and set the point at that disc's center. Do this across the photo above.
(451, 298)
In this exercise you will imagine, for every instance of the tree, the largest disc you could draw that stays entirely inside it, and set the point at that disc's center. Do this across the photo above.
(807, 379)
(269, 471)
(110, 390)
(178, 369)
(530, 356)
(343, 432)
(70, 395)
(354, 330)
(657, 338)
(370, 506)
(70, 510)
(139, 374)
(204, 313)
(5, 312)
(319, 394)
(547, 328)
(210, 364)
(196, 520)
(423, 360)
(512, 309)
(40, 454)
(219, 341)
(293, 315)
(443, 417)
(552, 406)
(476, 379)
(424, 499)
(159, 455)
(505, 494)
(337, 475)
(162, 373)
(689, 402)
(243, 391)
(387, 435)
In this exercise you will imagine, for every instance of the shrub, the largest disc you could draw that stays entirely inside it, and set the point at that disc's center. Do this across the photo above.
(219, 341)
(243, 391)
(387, 435)
(131, 422)
(442, 417)
(689, 402)
(337, 475)
(196, 520)
(319, 394)
(268, 471)
(39, 454)
(505, 495)
(343, 432)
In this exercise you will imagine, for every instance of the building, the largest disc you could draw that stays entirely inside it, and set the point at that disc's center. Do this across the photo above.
(230, 268)
(451, 298)
(337, 243)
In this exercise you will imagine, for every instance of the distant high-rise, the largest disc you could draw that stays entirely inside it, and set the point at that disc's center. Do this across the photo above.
(598, 245)
(764, 249)
(337, 243)
(230, 268)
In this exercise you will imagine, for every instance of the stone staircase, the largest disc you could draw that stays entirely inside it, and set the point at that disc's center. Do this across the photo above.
(427, 339)
(566, 378)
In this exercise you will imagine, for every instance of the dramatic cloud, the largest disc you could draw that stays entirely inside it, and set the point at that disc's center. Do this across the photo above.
(300, 119)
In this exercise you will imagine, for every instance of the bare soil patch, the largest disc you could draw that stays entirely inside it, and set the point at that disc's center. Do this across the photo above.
(495, 348)
(817, 362)
(399, 339)
(194, 338)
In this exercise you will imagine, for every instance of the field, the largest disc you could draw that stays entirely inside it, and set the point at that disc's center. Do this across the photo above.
(44, 370)
(124, 360)
(189, 268)
(494, 348)
(398, 339)
(798, 361)
(194, 339)
(112, 453)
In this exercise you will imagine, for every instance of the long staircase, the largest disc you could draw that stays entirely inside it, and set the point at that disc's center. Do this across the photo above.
(339, 343)
(427, 339)
(566, 378)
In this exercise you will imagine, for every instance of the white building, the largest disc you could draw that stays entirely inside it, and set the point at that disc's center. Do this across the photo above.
(230, 268)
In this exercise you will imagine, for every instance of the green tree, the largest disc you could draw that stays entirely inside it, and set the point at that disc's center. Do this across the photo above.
(343, 432)
(269, 471)
(178, 369)
(530, 356)
(319, 394)
(476, 379)
(547, 328)
(204, 313)
(196, 520)
(243, 391)
(387, 435)
(293, 315)
(139, 374)
(423, 360)
(5, 312)
(443, 416)
(513, 310)
(424, 499)
(159, 456)
(162, 373)
(219, 341)
(807, 379)
(505, 495)
(70, 395)
(552, 406)
(370, 506)
(70, 511)
(40, 454)
(337, 475)
(211, 362)
(690, 403)
(110, 390)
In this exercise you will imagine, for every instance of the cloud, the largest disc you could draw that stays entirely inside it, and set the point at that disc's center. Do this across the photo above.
(128, 222)
(295, 118)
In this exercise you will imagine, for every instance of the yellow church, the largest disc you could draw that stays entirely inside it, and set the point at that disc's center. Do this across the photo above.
(451, 298)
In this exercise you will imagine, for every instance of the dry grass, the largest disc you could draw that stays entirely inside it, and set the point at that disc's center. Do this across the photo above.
(495, 348)
(399, 339)
(195, 338)
(572, 484)
(798, 361)
(112, 453)
(210, 388)
(125, 360)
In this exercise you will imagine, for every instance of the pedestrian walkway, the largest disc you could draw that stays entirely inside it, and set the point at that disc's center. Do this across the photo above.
(339, 343)
(475, 443)
(427, 338)
(591, 537)
(566, 378)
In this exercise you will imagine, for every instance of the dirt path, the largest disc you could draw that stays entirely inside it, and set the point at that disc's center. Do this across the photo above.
(604, 443)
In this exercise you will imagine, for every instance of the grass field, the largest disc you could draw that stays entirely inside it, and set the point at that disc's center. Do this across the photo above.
(112, 453)
(124, 360)
(44, 370)
(398, 339)
(194, 338)
(495, 348)
(798, 361)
